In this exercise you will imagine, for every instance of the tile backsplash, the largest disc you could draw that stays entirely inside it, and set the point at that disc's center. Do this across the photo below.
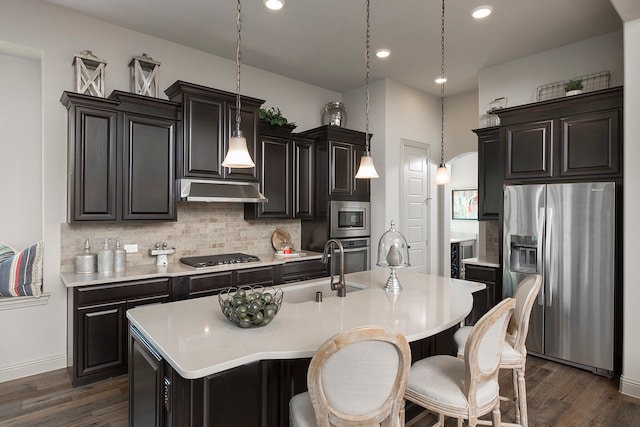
(492, 239)
(201, 229)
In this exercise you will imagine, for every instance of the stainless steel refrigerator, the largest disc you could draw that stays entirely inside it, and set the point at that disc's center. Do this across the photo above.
(566, 232)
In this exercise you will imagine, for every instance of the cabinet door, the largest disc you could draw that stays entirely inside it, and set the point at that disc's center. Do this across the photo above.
(148, 163)
(249, 117)
(295, 271)
(255, 276)
(203, 137)
(529, 149)
(147, 387)
(303, 176)
(203, 285)
(100, 345)
(275, 177)
(360, 187)
(340, 168)
(92, 190)
(590, 144)
(483, 300)
(490, 174)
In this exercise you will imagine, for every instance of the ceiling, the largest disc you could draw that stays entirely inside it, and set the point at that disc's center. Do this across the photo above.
(322, 42)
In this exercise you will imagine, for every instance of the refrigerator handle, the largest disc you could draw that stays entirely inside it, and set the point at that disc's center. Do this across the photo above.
(539, 261)
(547, 258)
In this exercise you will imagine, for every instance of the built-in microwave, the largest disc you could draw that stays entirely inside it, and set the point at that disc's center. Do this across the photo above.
(349, 219)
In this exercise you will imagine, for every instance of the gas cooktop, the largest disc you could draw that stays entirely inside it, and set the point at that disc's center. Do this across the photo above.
(214, 260)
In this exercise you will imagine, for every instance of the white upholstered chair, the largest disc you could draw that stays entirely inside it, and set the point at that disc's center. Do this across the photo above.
(357, 377)
(464, 388)
(514, 351)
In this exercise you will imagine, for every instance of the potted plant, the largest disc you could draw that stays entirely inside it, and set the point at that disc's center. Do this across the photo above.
(274, 117)
(573, 87)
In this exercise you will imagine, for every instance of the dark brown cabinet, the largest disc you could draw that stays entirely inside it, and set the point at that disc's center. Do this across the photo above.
(490, 173)
(567, 139)
(208, 119)
(275, 166)
(148, 390)
(485, 299)
(201, 285)
(121, 158)
(100, 326)
(337, 158)
(303, 177)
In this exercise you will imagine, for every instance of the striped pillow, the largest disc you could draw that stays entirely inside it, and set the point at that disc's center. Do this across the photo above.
(6, 251)
(21, 274)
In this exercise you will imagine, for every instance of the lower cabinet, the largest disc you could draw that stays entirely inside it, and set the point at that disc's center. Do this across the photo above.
(100, 325)
(255, 394)
(303, 270)
(485, 299)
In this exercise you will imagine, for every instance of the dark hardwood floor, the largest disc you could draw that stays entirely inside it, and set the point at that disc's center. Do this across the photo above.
(558, 395)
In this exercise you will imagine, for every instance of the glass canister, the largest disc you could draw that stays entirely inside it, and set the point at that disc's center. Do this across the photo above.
(335, 114)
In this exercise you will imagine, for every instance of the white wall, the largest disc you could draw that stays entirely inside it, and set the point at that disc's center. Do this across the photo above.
(40, 342)
(630, 381)
(460, 117)
(517, 80)
(464, 176)
(20, 150)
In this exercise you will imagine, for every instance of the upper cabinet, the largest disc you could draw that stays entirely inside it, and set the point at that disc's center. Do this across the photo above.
(490, 173)
(208, 119)
(303, 177)
(577, 137)
(121, 157)
(337, 158)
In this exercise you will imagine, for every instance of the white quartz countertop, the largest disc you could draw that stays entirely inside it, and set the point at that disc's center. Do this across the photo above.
(483, 261)
(196, 339)
(174, 269)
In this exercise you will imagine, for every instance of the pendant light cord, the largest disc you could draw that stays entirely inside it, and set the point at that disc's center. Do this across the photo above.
(238, 28)
(366, 80)
(442, 89)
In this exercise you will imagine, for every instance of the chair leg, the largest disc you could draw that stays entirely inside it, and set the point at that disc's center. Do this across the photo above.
(496, 417)
(460, 422)
(522, 398)
(516, 400)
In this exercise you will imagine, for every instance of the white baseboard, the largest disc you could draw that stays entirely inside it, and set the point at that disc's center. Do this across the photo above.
(630, 387)
(33, 367)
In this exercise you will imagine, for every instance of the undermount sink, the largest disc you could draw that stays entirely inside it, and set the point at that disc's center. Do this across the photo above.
(297, 293)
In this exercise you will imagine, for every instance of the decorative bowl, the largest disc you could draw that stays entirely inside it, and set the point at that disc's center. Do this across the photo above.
(250, 306)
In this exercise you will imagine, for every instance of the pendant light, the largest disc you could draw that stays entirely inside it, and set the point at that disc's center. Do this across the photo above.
(442, 174)
(367, 169)
(238, 156)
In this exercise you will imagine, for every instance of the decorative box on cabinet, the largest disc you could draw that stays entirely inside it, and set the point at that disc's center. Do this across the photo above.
(337, 158)
(274, 165)
(490, 173)
(572, 138)
(208, 119)
(100, 326)
(121, 158)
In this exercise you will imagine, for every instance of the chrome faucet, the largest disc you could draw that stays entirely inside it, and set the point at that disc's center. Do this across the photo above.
(340, 285)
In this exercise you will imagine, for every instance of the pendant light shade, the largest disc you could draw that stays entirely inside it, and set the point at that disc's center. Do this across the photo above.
(238, 156)
(442, 174)
(367, 170)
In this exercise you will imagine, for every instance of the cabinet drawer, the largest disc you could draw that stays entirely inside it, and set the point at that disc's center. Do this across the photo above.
(255, 276)
(120, 291)
(480, 274)
(207, 284)
(303, 267)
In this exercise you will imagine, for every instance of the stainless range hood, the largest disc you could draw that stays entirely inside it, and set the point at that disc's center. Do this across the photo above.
(198, 190)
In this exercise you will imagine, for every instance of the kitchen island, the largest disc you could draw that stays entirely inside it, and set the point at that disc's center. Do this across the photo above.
(191, 366)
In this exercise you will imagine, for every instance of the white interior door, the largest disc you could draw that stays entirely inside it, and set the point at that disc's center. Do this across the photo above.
(414, 203)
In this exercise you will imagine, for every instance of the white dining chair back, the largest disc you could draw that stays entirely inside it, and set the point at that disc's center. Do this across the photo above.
(357, 377)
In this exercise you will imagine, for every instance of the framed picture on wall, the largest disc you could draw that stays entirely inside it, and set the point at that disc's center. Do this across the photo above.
(464, 204)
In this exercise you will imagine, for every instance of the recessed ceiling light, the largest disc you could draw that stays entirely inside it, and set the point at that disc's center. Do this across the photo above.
(383, 53)
(441, 80)
(274, 4)
(481, 12)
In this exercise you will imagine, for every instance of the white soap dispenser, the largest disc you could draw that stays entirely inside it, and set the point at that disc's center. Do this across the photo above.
(105, 258)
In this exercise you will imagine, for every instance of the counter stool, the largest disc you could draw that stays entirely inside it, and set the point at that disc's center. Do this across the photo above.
(464, 388)
(514, 352)
(357, 377)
